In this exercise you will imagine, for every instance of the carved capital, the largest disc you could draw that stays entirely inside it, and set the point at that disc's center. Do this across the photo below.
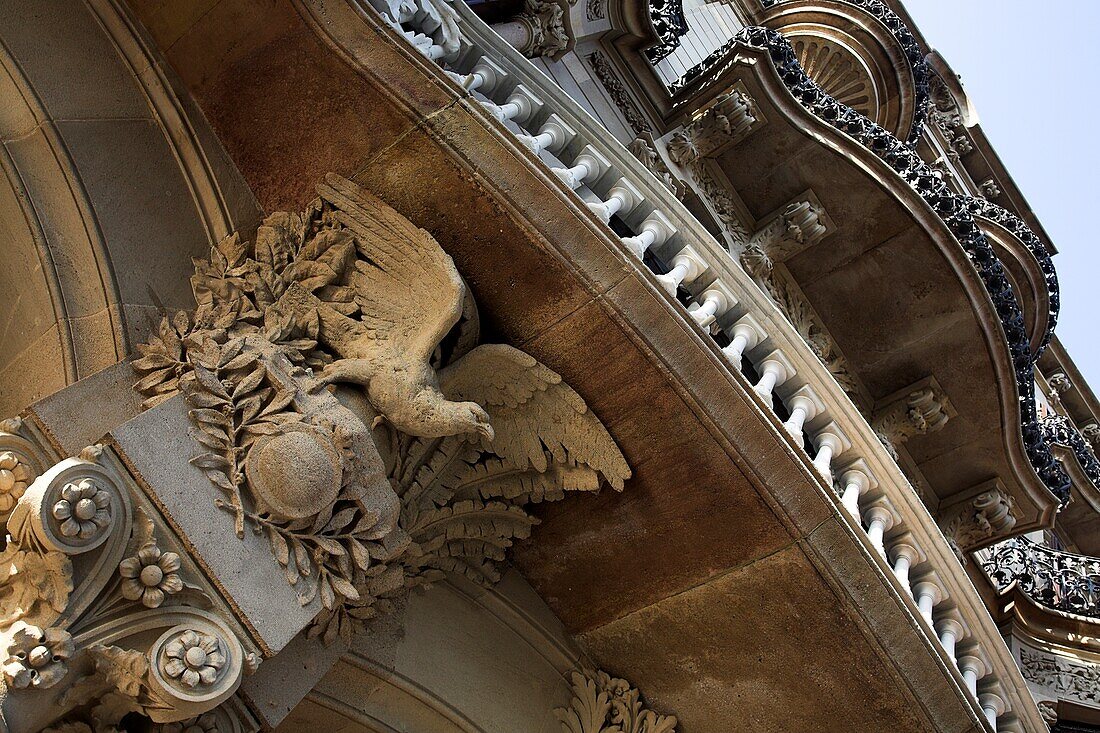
(123, 593)
(545, 22)
(986, 513)
(919, 409)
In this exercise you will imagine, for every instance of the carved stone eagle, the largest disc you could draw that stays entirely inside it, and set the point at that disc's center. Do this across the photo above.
(409, 296)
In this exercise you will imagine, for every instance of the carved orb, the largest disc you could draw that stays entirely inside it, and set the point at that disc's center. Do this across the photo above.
(295, 474)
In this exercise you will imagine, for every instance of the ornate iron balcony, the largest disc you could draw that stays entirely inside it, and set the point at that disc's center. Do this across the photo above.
(1059, 580)
(956, 211)
(667, 17)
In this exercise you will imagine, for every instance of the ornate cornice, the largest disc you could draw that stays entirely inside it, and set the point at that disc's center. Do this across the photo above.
(954, 210)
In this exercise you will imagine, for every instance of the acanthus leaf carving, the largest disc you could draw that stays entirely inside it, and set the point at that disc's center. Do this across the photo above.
(424, 463)
(605, 704)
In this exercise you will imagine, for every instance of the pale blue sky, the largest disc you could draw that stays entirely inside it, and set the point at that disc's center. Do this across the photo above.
(1030, 70)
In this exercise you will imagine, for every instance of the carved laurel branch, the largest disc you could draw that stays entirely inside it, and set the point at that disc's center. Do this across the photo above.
(605, 704)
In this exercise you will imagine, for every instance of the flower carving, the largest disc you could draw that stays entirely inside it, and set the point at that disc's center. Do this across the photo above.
(193, 658)
(36, 658)
(150, 576)
(83, 509)
(15, 477)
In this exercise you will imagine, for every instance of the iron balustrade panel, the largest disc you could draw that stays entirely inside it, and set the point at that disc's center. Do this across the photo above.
(1059, 580)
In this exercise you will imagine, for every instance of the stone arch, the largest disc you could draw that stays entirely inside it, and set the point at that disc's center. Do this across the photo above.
(111, 183)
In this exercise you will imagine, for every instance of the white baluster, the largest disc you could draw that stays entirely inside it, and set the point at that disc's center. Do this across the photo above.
(686, 266)
(485, 76)
(951, 631)
(973, 668)
(774, 369)
(655, 230)
(927, 594)
(553, 136)
(623, 197)
(904, 555)
(746, 334)
(856, 480)
(519, 107)
(829, 442)
(804, 405)
(993, 705)
(588, 166)
(715, 300)
(879, 519)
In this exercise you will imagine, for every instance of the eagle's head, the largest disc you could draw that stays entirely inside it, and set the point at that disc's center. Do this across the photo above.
(475, 419)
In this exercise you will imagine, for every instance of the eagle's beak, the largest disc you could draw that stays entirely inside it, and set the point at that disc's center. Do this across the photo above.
(486, 431)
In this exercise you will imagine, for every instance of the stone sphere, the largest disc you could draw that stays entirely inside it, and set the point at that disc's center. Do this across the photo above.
(295, 474)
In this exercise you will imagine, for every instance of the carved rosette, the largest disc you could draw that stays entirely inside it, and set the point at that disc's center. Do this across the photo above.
(197, 662)
(123, 593)
(20, 463)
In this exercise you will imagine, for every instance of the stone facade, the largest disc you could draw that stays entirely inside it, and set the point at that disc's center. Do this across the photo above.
(424, 365)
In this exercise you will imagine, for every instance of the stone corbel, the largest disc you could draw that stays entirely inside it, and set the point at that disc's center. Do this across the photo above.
(794, 228)
(726, 121)
(919, 409)
(985, 513)
(542, 29)
(103, 614)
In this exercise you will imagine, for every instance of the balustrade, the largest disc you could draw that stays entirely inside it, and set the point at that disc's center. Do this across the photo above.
(725, 301)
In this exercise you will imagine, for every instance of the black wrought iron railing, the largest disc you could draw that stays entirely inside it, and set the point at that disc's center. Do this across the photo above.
(669, 23)
(1053, 578)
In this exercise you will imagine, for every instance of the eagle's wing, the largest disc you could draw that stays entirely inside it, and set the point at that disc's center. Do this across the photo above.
(407, 288)
(533, 412)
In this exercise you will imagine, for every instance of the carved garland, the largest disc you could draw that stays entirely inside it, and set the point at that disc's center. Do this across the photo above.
(618, 93)
(292, 463)
(954, 210)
